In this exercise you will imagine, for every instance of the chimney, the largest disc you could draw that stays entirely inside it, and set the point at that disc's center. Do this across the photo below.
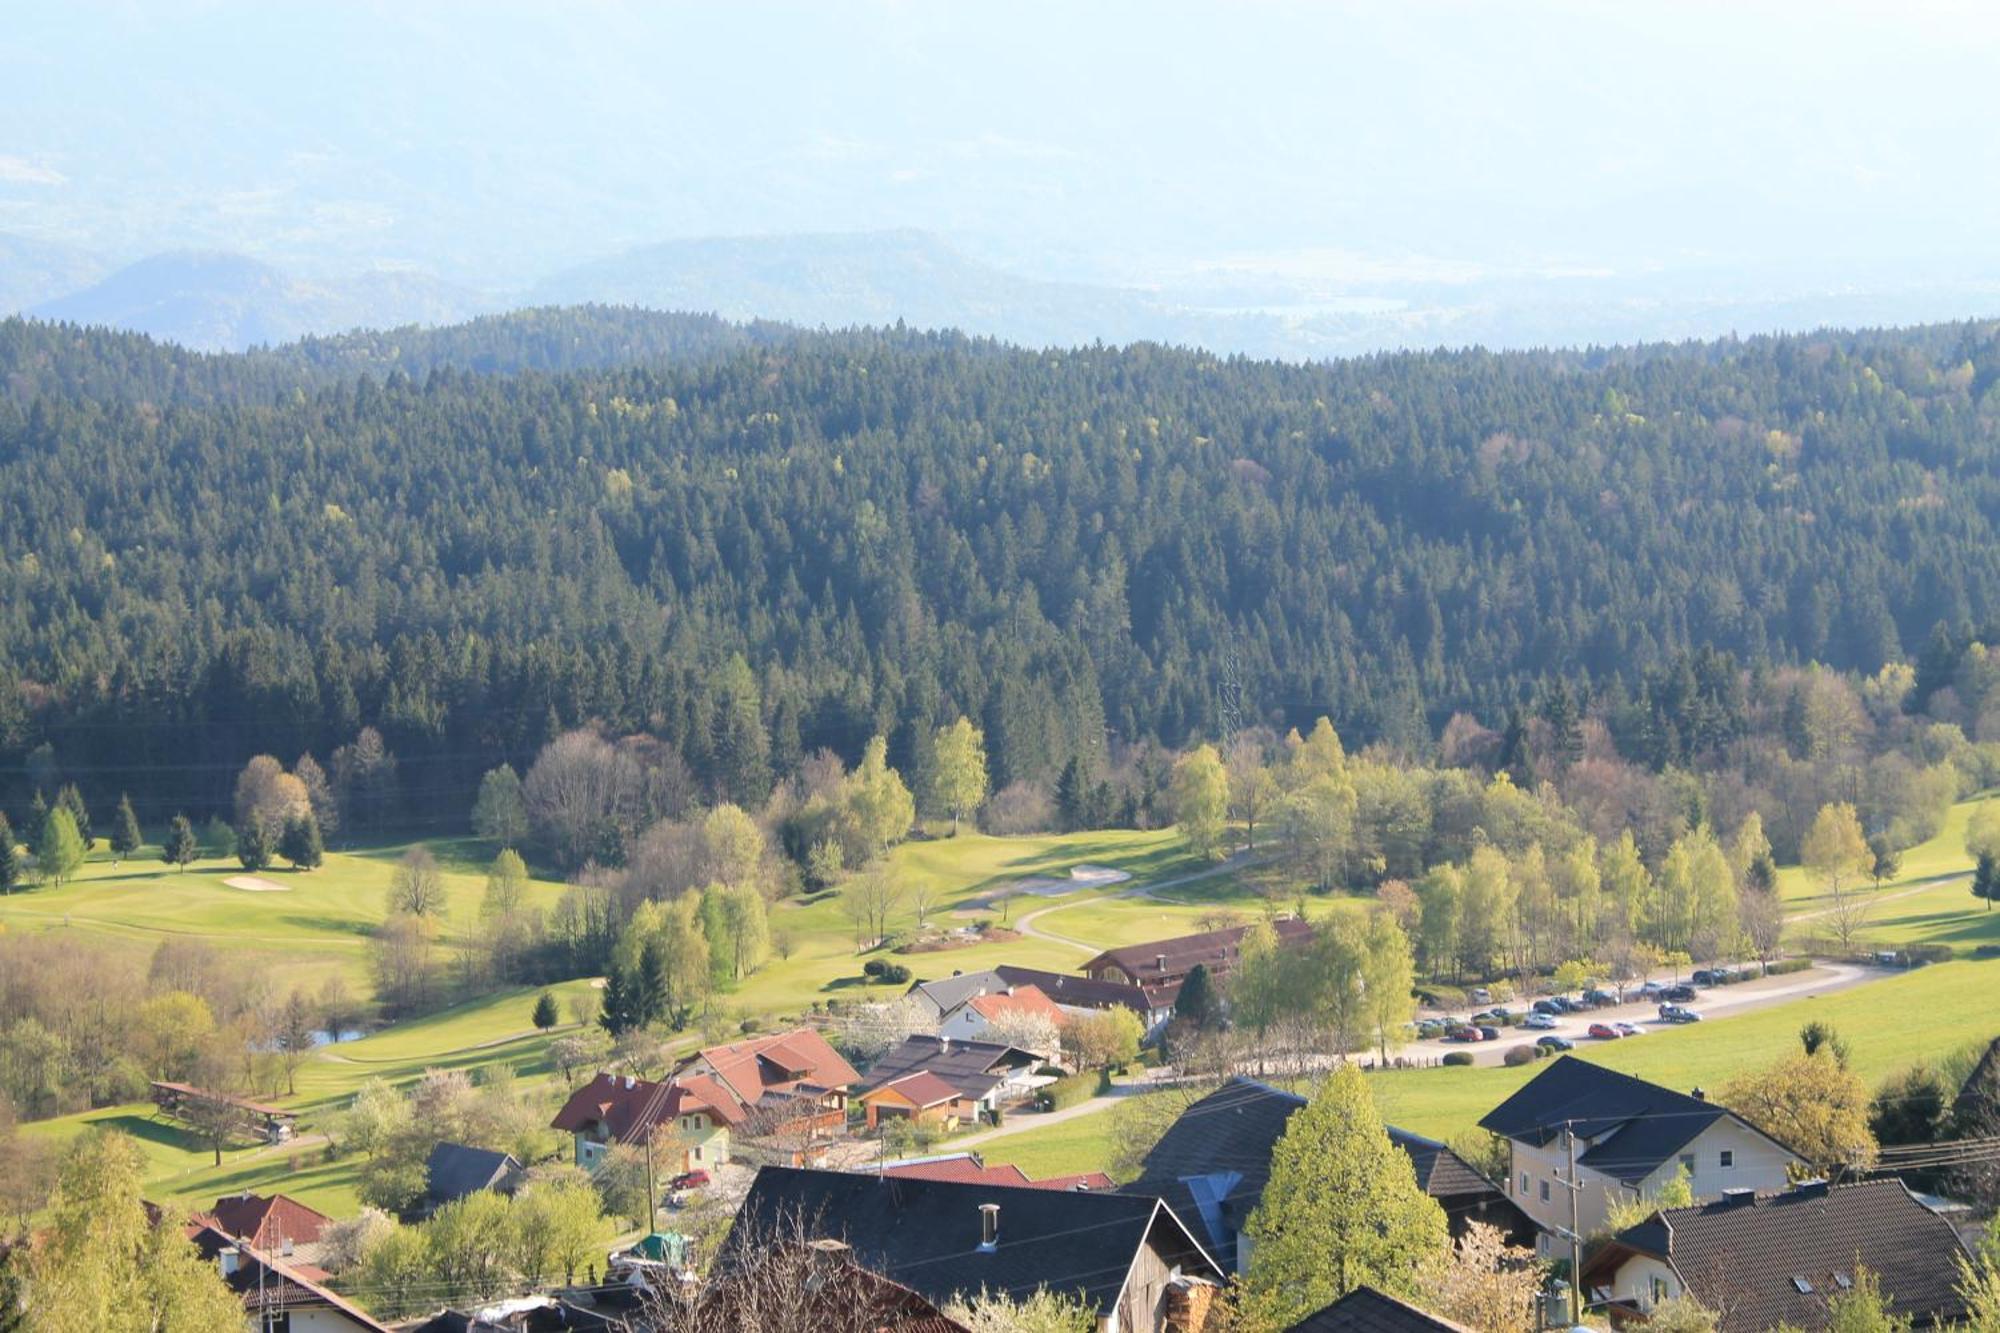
(1811, 1188)
(230, 1258)
(1160, 961)
(1736, 1198)
(989, 1225)
(629, 1082)
(944, 1045)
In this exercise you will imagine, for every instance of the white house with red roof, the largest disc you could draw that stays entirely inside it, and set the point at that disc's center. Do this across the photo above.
(786, 1083)
(1007, 1014)
(694, 1115)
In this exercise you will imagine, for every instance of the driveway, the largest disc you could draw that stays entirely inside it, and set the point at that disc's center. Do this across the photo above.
(1822, 978)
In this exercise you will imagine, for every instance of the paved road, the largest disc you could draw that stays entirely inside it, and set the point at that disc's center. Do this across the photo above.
(1721, 1002)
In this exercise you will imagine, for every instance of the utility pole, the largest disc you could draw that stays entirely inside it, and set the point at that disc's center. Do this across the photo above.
(1575, 1237)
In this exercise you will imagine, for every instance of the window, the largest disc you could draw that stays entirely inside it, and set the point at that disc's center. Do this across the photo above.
(697, 1152)
(1524, 1182)
(1660, 1290)
(277, 1321)
(1545, 1191)
(1687, 1162)
(1801, 1286)
(1728, 1159)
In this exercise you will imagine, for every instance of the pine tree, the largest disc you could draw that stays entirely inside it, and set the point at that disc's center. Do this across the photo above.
(1196, 1004)
(71, 799)
(38, 815)
(1072, 795)
(617, 1014)
(10, 857)
(125, 835)
(301, 842)
(253, 845)
(180, 848)
(546, 1013)
(1565, 728)
(1342, 1209)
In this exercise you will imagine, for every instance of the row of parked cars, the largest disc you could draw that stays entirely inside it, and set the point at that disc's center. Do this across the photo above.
(1542, 1014)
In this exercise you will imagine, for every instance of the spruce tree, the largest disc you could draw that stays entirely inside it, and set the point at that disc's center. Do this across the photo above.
(253, 845)
(1196, 1005)
(546, 1013)
(1986, 879)
(38, 815)
(71, 799)
(616, 1016)
(1342, 1209)
(1072, 795)
(10, 857)
(301, 843)
(125, 835)
(180, 848)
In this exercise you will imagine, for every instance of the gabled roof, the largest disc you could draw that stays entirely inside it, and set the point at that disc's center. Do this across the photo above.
(1633, 1127)
(454, 1170)
(1366, 1310)
(779, 1060)
(268, 1222)
(1213, 1162)
(1174, 958)
(973, 1067)
(1748, 1256)
(1077, 992)
(265, 1283)
(1015, 1000)
(967, 1168)
(628, 1107)
(947, 993)
(926, 1234)
(922, 1089)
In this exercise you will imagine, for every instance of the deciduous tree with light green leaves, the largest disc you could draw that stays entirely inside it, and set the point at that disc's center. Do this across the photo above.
(1836, 853)
(1342, 1209)
(958, 772)
(500, 813)
(59, 852)
(1388, 976)
(1199, 794)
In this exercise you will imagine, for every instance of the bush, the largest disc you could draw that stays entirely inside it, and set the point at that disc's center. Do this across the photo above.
(996, 1115)
(1917, 955)
(1071, 1091)
(893, 974)
(1785, 966)
(1516, 1055)
(874, 967)
(1458, 1058)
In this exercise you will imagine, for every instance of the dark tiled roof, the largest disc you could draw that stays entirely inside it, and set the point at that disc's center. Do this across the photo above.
(778, 1060)
(1633, 1127)
(1366, 1310)
(973, 1067)
(925, 1234)
(1078, 992)
(1175, 958)
(947, 993)
(1744, 1256)
(1212, 1164)
(453, 1171)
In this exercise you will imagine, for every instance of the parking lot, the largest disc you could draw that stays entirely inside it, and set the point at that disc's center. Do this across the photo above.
(1710, 1003)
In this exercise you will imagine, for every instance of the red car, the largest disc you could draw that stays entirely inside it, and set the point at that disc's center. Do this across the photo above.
(688, 1180)
(1605, 1032)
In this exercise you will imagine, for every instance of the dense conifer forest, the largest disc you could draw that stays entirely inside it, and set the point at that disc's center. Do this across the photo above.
(752, 543)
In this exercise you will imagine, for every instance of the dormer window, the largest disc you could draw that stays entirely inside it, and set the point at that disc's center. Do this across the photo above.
(1801, 1286)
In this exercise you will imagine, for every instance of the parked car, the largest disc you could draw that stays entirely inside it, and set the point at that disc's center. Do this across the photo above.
(1480, 995)
(689, 1180)
(1556, 1043)
(1488, 1033)
(1599, 999)
(1541, 1022)
(1462, 1034)
(1651, 990)
(1679, 994)
(1429, 1029)
(1629, 1029)
(1674, 1013)
(1605, 1032)
(1546, 1007)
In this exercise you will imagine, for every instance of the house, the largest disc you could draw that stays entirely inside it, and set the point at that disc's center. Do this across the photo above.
(1073, 995)
(968, 1168)
(278, 1297)
(1212, 1164)
(1159, 968)
(1366, 1310)
(815, 1285)
(786, 1083)
(277, 1224)
(453, 1171)
(691, 1116)
(1631, 1137)
(1760, 1260)
(1128, 1258)
(921, 1098)
(986, 1074)
(1007, 1011)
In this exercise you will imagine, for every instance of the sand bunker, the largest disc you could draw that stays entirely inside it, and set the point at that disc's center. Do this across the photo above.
(256, 884)
(1098, 875)
(1051, 886)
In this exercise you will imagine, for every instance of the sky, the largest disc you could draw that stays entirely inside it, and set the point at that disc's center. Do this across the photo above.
(1319, 145)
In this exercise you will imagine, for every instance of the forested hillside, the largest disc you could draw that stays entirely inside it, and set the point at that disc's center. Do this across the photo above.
(754, 543)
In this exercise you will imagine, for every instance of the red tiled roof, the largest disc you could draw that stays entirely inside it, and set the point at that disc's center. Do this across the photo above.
(269, 1222)
(627, 1107)
(264, 1283)
(1083, 1180)
(921, 1089)
(756, 1065)
(1020, 1000)
(966, 1169)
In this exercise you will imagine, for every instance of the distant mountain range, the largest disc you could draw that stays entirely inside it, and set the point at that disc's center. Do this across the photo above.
(228, 302)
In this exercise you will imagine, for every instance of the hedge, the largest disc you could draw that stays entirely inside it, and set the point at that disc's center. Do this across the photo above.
(1784, 966)
(1458, 1057)
(1071, 1091)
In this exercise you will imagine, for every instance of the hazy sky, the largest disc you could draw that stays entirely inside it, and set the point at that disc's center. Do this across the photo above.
(494, 142)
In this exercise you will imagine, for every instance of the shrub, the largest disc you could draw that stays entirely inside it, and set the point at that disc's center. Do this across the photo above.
(1784, 966)
(1516, 1055)
(1917, 955)
(873, 967)
(893, 974)
(1458, 1058)
(1070, 1091)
